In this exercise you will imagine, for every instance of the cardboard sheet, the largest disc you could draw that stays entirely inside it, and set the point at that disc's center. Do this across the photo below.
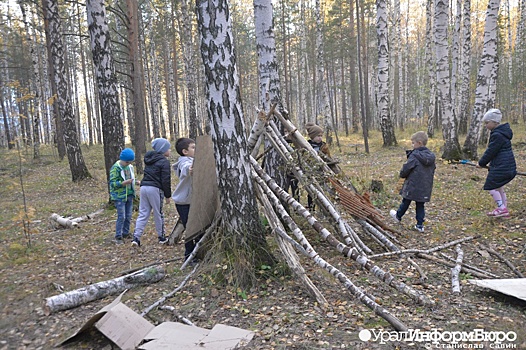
(204, 201)
(515, 287)
(128, 329)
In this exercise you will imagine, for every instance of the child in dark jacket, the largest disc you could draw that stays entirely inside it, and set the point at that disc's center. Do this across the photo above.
(122, 192)
(155, 185)
(418, 172)
(501, 159)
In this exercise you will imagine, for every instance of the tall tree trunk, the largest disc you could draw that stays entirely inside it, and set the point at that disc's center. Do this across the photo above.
(388, 133)
(112, 125)
(322, 101)
(449, 129)
(242, 231)
(78, 168)
(89, 116)
(269, 82)
(139, 136)
(355, 107)
(465, 66)
(489, 57)
(431, 65)
(35, 83)
(363, 92)
(190, 69)
(57, 124)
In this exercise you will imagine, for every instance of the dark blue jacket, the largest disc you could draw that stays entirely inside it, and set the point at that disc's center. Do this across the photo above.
(418, 171)
(499, 155)
(157, 172)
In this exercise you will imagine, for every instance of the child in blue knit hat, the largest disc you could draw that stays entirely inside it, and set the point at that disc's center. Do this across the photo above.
(122, 192)
(155, 185)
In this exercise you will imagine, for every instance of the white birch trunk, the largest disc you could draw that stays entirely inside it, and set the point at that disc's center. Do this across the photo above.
(465, 66)
(112, 126)
(388, 134)
(447, 113)
(430, 63)
(322, 101)
(101, 290)
(489, 56)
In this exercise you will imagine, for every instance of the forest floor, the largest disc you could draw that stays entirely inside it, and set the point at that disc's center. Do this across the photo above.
(278, 310)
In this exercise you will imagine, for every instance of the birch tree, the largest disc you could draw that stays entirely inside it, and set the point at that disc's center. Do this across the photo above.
(482, 92)
(35, 83)
(431, 69)
(187, 45)
(77, 166)
(388, 134)
(242, 237)
(447, 113)
(136, 76)
(112, 125)
(269, 82)
(465, 67)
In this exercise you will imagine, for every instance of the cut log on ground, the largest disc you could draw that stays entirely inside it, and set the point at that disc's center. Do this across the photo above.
(455, 271)
(100, 290)
(73, 222)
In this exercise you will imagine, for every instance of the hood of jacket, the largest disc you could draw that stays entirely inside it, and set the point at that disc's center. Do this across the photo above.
(424, 156)
(152, 157)
(504, 130)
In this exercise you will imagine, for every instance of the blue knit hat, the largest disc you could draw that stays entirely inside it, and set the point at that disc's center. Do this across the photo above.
(161, 145)
(127, 155)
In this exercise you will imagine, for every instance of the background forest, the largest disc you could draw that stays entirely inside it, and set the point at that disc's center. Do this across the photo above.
(327, 54)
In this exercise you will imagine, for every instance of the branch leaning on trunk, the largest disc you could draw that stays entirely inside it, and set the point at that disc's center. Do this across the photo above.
(329, 237)
(289, 254)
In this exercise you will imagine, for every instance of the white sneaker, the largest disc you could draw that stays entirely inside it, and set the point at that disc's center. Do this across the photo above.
(419, 228)
(393, 215)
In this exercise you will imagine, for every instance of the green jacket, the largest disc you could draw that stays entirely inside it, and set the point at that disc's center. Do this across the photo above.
(118, 192)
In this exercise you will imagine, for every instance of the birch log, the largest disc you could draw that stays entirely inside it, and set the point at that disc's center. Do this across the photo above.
(73, 222)
(289, 254)
(100, 290)
(455, 271)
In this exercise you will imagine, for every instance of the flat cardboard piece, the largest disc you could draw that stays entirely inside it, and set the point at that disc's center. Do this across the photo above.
(119, 323)
(515, 287)
(204, 203)
(173, 335)
(128, 329)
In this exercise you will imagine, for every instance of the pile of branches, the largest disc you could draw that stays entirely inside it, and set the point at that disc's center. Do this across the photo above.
(335, 200)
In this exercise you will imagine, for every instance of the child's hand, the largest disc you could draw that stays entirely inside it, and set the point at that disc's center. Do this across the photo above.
(191, 170)
(168, 200)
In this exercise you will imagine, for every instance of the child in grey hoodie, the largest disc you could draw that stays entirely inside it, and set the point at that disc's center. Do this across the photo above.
(182, 195)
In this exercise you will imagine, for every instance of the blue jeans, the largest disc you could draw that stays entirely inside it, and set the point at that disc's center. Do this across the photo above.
(420, 210)
(124, 215)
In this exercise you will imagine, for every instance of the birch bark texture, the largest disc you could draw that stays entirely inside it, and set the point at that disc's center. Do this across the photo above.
(269, 82)
(484, 78)
(386, 125)
(112, 123)
(225, 113)
(77, 166)
(446, 111)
